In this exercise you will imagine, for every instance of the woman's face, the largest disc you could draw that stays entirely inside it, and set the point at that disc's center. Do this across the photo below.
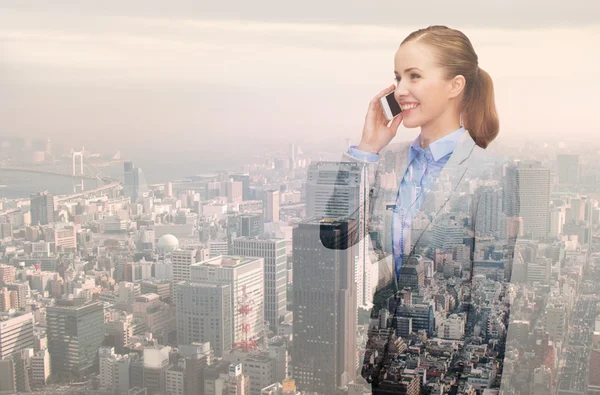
(419, 82)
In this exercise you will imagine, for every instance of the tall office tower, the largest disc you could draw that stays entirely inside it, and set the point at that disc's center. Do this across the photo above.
(412, 274)
(490, 207)
(335, 189)
(252, 225)
(156, 363)
(271, 206)
(204, 314)
(7, 273)
(292, 156)
(244, 178)
(182, 261)
(246, 279)
(446, 234)
(577, 212)
(324, 294)
(42, 208)
(557, 221)
(568, 169)
(16, 333)
(527, 189)
(134, 185)
(233, 191)
(40, 368)
(273, 251)
(75, 334)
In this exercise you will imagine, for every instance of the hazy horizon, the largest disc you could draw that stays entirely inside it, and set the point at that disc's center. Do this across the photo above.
(194, 79)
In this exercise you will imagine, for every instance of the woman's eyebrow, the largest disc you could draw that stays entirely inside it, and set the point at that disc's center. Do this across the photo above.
(407, 70)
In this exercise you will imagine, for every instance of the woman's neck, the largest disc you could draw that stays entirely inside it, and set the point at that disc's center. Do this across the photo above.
(434, 132)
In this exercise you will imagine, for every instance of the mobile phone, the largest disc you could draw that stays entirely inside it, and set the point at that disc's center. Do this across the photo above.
(391, 108)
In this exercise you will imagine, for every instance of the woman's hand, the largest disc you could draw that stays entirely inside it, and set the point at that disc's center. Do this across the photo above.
(376, 132)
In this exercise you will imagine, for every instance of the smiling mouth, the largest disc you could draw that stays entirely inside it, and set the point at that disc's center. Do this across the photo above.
(408, 107)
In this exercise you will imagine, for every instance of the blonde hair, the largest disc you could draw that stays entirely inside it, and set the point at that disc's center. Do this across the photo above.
(454, 52)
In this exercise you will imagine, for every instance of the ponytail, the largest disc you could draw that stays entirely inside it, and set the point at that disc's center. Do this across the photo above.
(480, 116)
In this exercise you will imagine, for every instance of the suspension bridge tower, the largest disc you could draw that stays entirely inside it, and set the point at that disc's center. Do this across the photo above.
(78, 170)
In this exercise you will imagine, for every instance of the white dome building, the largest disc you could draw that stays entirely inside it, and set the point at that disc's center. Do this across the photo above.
(167, 243)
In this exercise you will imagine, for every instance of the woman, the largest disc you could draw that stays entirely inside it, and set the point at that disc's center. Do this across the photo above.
(441, 89)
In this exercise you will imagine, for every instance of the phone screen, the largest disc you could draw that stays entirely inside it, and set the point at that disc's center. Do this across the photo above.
(394, 106)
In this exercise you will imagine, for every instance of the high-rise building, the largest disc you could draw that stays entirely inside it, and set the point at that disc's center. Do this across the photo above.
(204, 314)
(42, 208)
(156, 363)
(412, 274)
(7, 273)
(252, 225)
(40, 368)
(490, 207)
(325, 311)
(245, 275)
(134, 185)
(16, 333)
(182, 260)
(63, 236)
(271, 206)
(75, 333)
(527, 188)
(244, 178)
(233, 191)
(446, 234)
(273, 252)
(339, 189)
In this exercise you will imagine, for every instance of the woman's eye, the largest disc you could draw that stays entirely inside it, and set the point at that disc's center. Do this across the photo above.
(413, 75)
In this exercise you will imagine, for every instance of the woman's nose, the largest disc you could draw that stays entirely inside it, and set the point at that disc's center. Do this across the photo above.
(400, 90)
(398, 93)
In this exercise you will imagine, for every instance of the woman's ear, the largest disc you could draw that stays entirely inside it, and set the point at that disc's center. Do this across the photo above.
(457, 85)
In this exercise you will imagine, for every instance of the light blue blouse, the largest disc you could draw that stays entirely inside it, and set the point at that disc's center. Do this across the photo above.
(424, 166)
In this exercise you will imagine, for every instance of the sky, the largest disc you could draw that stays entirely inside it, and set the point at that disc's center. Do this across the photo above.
(221, 79)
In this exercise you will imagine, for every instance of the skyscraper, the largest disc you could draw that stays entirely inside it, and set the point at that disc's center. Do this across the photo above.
(16, 333)
(252, 224)
(182, 261)
(42, 208)
(271, 206)
(335, 189)
(245, 179)
(324, 294)
(246, 279)
(490, 198)
(204, 314)
(273, 251)
(75, 334)
(134, 185)
(527, 187)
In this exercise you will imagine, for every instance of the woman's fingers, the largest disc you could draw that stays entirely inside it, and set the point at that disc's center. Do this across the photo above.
(383, 93)
(396, 123)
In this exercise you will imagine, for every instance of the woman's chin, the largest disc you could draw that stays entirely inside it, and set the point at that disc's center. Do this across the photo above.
(410, 124)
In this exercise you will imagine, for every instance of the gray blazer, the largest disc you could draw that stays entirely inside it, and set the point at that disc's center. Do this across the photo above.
(467, 165)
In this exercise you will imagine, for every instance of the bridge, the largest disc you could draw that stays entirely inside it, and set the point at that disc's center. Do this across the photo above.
(77, 173)
(90, 192)
(54, 173)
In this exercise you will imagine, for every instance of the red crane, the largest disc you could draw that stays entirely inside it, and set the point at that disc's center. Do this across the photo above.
(245, 304)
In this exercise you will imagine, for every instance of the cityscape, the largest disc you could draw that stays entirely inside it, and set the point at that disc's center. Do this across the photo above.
(246, 282)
